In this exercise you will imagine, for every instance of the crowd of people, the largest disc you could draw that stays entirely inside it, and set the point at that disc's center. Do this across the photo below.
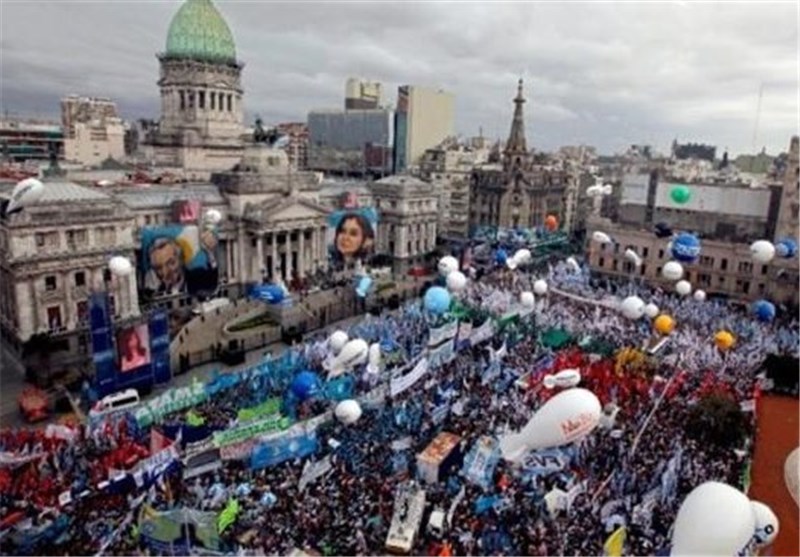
(348, 511)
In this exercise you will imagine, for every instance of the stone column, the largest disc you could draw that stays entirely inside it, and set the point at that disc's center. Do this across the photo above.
(288, 250)
(25, 308)
(259, 259)
(275, 266)
(301, 255)
(322, 246)
(69, 317)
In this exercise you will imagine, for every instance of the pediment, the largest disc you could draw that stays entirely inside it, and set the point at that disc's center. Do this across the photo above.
(291, 209)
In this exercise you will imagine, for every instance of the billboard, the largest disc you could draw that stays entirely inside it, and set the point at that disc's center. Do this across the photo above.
(186, 211)
(351, 235)
(133, 347)
(180, 259)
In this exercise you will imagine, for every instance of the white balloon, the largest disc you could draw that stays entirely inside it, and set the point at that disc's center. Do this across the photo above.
(549, 382)
(595, 190)
(601, 237)
(213, 216)
(512, 263)
(540, 287)
(714, 519)
(526, 299)
(120, 266)
(567, 378)
(651, 310)
(767, 524)
(523, 256)
(573, 264)
(762, 251)
(608, 189)
(337, 341)
(374, 357)
(791, 474)
(672, 271)
(632, 307)
(633, 257)
(683, 288)
(354, 353)
(447, 265)
(456, 281)
(25, 193)
(567, 417)
(348, 412)
(700, 295)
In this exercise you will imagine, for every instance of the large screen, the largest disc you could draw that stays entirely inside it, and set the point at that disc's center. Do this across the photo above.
(180, 258)
(186, 211)
(352, 234)
(133, 347)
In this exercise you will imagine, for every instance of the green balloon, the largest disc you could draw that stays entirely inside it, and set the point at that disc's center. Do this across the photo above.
(680, 194)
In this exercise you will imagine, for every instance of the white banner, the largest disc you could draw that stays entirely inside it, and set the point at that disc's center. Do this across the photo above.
(482, 333)
(161, 459)
(312, 472)
(556, 500)
(10, 459)
(442, 354)
(440, 334)
(403, 382)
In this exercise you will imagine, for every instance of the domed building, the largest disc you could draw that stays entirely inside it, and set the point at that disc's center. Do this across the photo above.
(202, 115)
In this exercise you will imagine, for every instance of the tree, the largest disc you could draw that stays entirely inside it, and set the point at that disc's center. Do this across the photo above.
(716, 419)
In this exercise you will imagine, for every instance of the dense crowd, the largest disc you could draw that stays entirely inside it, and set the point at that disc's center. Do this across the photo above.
(348, 512)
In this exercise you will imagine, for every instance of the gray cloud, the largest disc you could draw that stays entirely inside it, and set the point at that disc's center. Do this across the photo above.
(605, 74)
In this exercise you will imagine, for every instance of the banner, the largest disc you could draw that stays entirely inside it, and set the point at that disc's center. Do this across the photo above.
(544, 462)
(270, 407)
(10, 460)
(176, 532)
(284, 448)
(314, 471)
(154, 464)
(480, 463)
(482, 333)
(238, 451)
(443, 354)
(252, 429)
(173, 400)
(400, 383)
(446, 332)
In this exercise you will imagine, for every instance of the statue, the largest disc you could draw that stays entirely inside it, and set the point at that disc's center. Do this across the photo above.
(270, 137)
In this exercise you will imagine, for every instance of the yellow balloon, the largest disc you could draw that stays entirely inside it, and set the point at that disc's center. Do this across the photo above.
(724, 340)
(664, 324)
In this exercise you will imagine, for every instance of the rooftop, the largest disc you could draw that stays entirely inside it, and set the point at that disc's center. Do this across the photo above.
(163, 196)
(60, 192)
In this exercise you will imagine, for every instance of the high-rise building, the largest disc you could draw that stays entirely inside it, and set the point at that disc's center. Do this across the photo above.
(424, 118)
(93, 130)
(297, 145)
(343, 141)
(788, 221)
(202, 115)
(362, 95)
(23, 140)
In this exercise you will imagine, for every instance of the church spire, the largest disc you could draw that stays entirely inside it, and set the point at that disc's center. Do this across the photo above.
(516, 139)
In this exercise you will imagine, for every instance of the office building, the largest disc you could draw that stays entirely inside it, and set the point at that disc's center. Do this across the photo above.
(362, 95)
(351, 142)
(424, 118)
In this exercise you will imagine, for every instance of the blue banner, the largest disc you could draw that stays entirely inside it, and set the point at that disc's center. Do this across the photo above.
(288, 447)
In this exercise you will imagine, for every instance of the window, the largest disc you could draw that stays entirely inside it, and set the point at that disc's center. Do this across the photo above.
(615, 264)
(183, 100)
(54, 317)
(706, 261)
(661, 254)
(642, 270)
(743, 286)
(83, 311)
(764, 269)
(645, 251)
(721, 281)
(601, 262)
(50, 283)
(745, 266)
(201, 99)
(107, 275)
(39, 240)
(80, 278)
(230, 103)
(191, 99)
(723, 265)
(704, 279)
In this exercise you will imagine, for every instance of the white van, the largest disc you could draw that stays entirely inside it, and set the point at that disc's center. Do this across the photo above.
(211, 305)
(122, 400)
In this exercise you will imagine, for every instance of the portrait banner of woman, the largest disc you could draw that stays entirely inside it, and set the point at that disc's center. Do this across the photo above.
(353, 235)
(133, 347)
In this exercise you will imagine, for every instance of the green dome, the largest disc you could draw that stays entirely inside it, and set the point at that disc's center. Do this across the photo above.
(198, 31)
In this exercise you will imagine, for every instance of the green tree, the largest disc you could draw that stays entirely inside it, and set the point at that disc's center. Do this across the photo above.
(717, 420)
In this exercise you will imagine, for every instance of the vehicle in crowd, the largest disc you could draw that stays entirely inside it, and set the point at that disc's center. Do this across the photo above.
(211, 306)
(123, 400)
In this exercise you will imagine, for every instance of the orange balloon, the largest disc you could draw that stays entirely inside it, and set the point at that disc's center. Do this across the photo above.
(664, 324)
(551, 223)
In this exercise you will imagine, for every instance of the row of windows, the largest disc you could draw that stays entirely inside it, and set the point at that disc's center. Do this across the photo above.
(104, 236)
(216, 101)
(705, 261)
(79, 277)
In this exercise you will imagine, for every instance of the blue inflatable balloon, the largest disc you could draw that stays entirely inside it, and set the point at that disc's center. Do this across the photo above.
(362, 288)
(305, 385)
(786, 248)
(764, 310)
(437, 300)
(685, 247)
(501, 257)
(269, 293)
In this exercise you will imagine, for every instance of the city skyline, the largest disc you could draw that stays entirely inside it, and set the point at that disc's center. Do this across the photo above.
(607, 75)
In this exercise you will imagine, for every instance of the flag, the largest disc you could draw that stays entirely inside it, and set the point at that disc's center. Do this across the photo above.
(193, 419)
(158, 441)
(228, 515)
(615, 543)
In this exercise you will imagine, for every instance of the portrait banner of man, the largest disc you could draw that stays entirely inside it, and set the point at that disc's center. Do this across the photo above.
(180, 259)
(352, 235)
(133, 347)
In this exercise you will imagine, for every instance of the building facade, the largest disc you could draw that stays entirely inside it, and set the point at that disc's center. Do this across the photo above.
(202, 110)
(424, 118)
(297, 147)
(361, 94)
(340, 140)
(517, 192)
(28, 140)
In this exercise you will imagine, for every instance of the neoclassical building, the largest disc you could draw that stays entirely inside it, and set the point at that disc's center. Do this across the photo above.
(516, 192)
(202, 113)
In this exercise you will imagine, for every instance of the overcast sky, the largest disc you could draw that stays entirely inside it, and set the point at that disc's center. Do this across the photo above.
(603, 74)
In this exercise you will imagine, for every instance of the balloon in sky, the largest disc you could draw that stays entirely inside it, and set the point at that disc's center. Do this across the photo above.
(762, 251)
(724, 340)
(672, 271)
(348, 412)
(685, 247)
(683, 287)
(664, 324)
(337, 340)
(527, 299)
(540, 287)
(25, 193)
(567, 417)
(714, 519)
(437, 300)
(305, 385)
(120, 266)
(764, 311)
(601, 237)
(447, 265)
(632, 307)
(700, 295)
(551, 223)
(767, 524)
(680, 194)
(456, 281)
(651, 310)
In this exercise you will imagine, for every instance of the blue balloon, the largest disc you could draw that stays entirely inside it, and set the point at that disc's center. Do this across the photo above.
(501, 256)
(305, 385)
(685, 247)
(786, 248)
(362, 288)
(270, 293)
(437, 300)
(764, 310)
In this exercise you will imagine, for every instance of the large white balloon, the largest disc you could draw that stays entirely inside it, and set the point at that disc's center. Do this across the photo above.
(447, 265)
(456, 281)
(523, 256)
(608, 189)
(633, 257)
(683, 287)
(565, 379)
(25, 193)
(601, 237)
(651, 310)
(714, 519)
(572, 264)
(348, 412)
(213, 216)
(672, 271)
(595, 191)
(567, 417)
(337, 341)
(762, 251)
(526, 299)
(540, 287)
(354, 353)
(374, 357)
(632, 307)
(700, 295)
(791, 474)
(767, 524)
(120, 266)
(512, 263)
